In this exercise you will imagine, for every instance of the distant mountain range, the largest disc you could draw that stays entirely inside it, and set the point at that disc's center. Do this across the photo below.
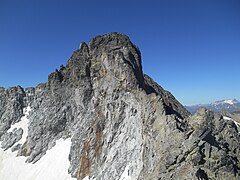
(223, 105)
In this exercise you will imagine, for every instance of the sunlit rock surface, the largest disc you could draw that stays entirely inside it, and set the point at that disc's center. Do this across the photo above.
(122, 125)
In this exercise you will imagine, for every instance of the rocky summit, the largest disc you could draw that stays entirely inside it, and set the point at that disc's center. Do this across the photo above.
(120, 123)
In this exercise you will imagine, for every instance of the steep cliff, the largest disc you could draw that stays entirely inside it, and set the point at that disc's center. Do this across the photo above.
(122, 125)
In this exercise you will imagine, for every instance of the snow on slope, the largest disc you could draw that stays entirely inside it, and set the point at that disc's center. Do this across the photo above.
(125, 174)
(230, 119)
(230, 105)
(229, 101)
(23, 123)
(52, 166)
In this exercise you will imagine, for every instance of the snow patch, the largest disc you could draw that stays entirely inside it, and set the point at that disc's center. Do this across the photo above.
(227, 118)
(52, 166)
(229, 102)
(237, 123)
(23, 123)
(125, 174)
(89, 178)
(230, 119)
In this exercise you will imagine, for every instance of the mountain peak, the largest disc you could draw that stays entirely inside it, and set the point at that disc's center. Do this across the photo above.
(228, 101)
(117, 122)
(112, 39)
(107, 55)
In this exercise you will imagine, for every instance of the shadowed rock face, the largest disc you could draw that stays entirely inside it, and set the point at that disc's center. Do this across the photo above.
(120, 121)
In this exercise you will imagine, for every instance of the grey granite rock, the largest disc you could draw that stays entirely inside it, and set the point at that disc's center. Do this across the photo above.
(121, 123)
(9, 139)
(12, 104)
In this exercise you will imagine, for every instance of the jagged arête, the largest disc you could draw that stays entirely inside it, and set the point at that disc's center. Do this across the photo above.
(121, 123)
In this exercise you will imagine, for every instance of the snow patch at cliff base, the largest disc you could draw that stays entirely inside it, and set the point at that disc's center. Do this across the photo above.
(52, 166)
(23, 123)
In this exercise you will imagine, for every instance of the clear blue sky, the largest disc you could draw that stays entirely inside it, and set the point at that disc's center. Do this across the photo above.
(190, 47)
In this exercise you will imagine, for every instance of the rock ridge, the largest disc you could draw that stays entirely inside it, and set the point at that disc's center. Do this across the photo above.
(121, 123)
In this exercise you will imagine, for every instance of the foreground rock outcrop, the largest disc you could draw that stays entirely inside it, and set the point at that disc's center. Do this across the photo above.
(121, 123)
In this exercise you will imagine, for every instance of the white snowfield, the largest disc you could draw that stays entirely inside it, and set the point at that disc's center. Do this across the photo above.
(52, 166)
(23, 123)
(229, 101)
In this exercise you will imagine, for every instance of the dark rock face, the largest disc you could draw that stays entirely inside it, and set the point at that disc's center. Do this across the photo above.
(12, 102)
(121, 123)
(171, 104)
